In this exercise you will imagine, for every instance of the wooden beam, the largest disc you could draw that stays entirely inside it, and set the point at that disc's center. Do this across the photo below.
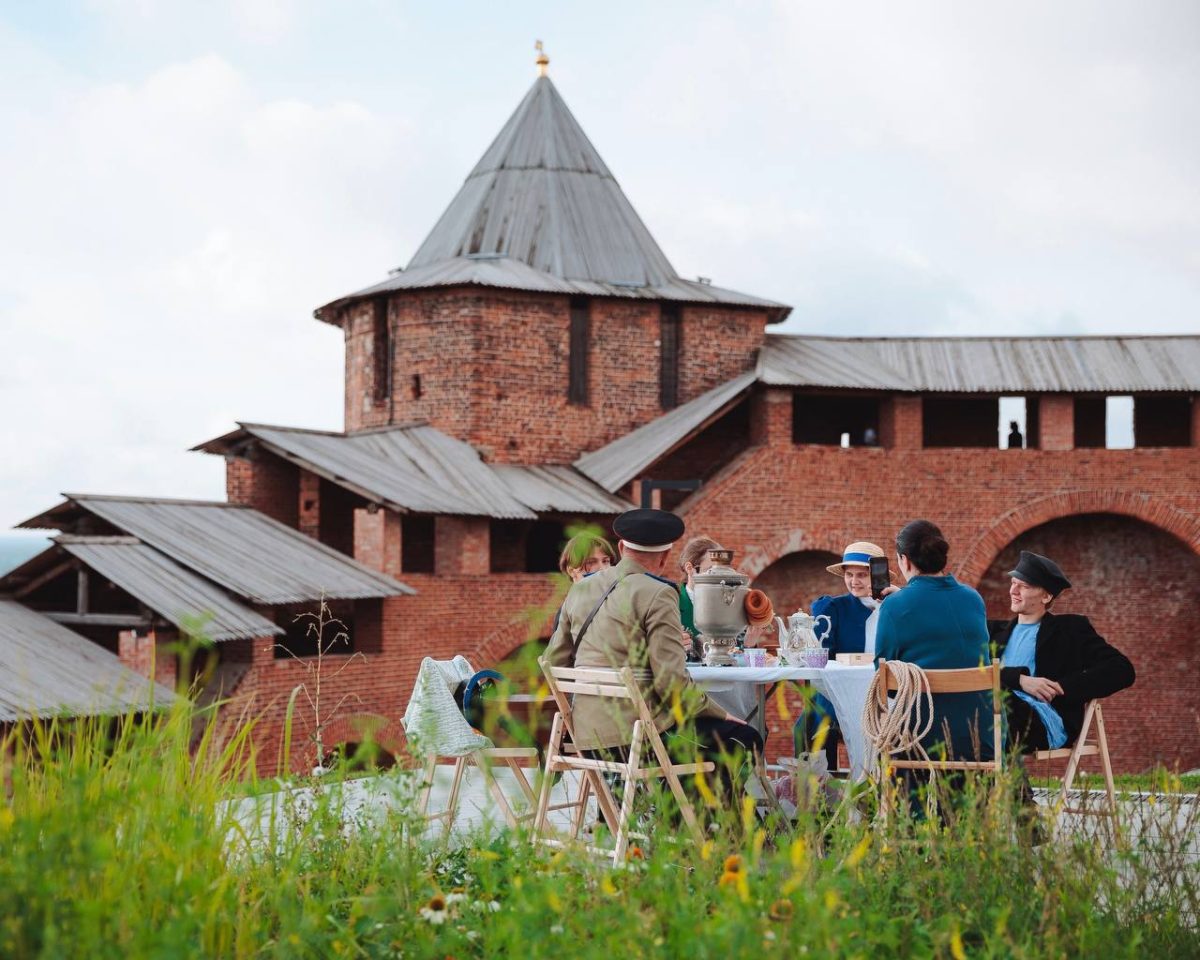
(55, 571)
(81, 591)
(123, 620)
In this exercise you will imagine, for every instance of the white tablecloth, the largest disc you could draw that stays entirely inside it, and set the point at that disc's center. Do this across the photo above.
(738, 690)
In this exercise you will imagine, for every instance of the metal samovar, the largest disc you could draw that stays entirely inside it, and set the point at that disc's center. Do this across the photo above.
(719, 608)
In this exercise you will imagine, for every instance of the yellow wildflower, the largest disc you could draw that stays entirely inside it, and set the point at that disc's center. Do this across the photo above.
(733, 863)
(781, 910)
(956, 946)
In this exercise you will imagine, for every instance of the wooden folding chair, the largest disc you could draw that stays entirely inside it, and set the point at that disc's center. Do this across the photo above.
(1097, 745)
(964, 680)
(617, 685)
(486, 760)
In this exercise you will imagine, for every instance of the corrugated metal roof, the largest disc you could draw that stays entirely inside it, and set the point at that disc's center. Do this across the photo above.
(508, 274)
(244, 551)
(542, 212)
(421, 469)
(985, 364)
(558, 489)
(542, 195)
(171, 591)
(614, 465)
(408, 468)
(49, 670)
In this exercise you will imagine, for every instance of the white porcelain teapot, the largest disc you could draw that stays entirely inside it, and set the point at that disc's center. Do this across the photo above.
(799, 634)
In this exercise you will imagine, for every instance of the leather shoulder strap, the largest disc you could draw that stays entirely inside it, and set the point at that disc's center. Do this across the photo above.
(595, 610)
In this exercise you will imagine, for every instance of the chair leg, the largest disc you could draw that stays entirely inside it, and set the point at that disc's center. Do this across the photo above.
(460, 767)
(681, 798)
(581, 805)
(427, 771)
(1106, 763)
(543, 804)
(489, 778)
(631, 783)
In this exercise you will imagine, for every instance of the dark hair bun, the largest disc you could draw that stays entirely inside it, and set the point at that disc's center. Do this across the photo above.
(922, 542)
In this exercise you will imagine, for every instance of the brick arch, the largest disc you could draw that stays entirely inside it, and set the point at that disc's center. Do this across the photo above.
(501, 642)
(356, 727)
(1009, 526)
(796, 540)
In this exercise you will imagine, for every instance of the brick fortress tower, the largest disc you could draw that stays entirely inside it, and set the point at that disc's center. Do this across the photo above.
(539, 363)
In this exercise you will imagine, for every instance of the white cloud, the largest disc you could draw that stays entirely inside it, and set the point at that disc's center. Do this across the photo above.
(174, 235)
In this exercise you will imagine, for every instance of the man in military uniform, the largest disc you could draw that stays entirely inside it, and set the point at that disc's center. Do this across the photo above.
(629, 615)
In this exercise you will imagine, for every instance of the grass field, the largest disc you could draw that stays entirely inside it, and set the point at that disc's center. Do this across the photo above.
(122, 845)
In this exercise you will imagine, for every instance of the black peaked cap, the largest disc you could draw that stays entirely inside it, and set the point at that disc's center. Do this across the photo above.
(649, 528)
(1041, 572)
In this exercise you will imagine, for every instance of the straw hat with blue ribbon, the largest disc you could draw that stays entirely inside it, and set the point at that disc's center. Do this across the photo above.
(858, 554)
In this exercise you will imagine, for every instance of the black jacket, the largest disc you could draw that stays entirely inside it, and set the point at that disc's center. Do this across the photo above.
(1070, 651)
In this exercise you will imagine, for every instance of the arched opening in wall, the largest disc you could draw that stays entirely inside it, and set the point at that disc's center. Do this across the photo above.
(1140, 587)
(364, 756)
(795, 580)
(520, 665)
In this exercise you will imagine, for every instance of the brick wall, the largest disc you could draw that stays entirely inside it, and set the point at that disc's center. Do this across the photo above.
(1140, 587)
(477, 384)
(149, 654)
(482, 618)
(780, 500)
(267, 483)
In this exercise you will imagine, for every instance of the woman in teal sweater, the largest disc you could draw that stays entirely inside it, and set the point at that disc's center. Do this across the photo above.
(939, 624)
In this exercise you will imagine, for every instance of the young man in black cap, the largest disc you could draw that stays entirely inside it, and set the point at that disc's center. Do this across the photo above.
(1052, 663)
(629, 614)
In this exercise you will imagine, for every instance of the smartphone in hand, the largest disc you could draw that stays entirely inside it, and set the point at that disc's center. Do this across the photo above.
(880, 580)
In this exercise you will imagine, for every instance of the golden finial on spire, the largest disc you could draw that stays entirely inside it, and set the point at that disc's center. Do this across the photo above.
(542, 61)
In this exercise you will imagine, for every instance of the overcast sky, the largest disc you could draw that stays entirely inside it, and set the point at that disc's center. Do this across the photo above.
(182, 183)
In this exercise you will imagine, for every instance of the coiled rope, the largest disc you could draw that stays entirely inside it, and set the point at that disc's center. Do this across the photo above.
(900, 729)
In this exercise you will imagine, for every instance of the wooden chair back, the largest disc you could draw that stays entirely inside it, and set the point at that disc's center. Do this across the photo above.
(961, 680)
(617, 684)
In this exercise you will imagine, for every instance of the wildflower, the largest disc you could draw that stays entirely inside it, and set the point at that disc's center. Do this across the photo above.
(781, 910)
(860, 850)
(635, 853)
(706, 850)
(472, 934)
(487, 854)
(556, 928)
(606, 885)
(436, 910)
(733, 863)
(456, 897)
(956, 946)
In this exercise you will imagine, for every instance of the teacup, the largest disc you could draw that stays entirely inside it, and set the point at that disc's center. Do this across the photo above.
(815, 659)
(755, 657)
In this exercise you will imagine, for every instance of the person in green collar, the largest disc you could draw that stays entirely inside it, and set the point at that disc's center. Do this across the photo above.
(693, 559)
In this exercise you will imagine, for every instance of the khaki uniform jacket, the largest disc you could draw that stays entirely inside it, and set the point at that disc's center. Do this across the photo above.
(639, 626)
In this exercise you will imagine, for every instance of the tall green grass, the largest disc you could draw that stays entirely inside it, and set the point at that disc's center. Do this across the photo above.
(126, 839)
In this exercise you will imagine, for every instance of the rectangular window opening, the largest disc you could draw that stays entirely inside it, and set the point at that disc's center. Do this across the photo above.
(842, 420)
(1162, 420)
(416, 543)
(670, 336)
(959, 421)
(577, 374)
(1013, 427)
(381, 355)
(1119, 423)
